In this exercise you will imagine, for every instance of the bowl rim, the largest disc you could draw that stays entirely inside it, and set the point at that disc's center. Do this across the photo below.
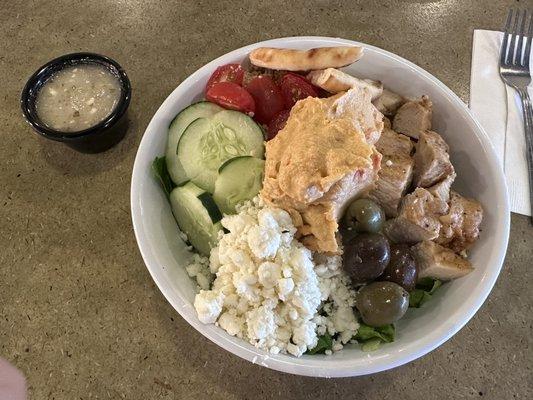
(308, 366)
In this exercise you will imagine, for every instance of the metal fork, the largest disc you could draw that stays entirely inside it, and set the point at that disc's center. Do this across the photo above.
(515, 72)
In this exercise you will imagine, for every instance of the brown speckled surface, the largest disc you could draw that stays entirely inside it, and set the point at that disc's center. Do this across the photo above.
(79, 313)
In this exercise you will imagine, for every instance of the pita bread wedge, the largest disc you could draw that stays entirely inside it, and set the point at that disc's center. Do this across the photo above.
(305, 60)
(335, 81)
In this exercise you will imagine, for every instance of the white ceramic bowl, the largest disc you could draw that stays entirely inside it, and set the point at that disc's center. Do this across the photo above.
(422, 330)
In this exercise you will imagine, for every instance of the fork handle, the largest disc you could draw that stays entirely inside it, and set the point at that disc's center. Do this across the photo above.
(527, 109)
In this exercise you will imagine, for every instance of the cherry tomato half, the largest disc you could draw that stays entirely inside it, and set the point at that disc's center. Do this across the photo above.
(267, 96)
(231, 96)
(295, 87)
(226, 73)
(277, 123)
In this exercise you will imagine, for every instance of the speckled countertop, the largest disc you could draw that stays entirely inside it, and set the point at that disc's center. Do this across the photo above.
(79, 313)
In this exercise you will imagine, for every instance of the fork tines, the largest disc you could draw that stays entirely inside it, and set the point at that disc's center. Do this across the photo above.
(517, 28)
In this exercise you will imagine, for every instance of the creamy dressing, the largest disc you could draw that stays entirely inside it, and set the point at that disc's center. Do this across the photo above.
(78, 97)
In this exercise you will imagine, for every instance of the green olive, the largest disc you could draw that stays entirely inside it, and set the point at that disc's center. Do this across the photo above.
(382, 303)
(365, 216)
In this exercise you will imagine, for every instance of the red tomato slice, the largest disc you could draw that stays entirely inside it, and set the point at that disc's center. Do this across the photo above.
(226, 73)
(231, 96)
(295, 87)
(267, 96)
(277, 123)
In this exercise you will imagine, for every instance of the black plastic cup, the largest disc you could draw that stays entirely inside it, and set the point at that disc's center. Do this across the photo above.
(97, 138)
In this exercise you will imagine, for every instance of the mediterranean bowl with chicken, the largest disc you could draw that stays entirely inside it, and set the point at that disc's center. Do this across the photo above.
(322, 215)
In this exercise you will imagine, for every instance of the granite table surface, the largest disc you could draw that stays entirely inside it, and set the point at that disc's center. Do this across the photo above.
(79, 312)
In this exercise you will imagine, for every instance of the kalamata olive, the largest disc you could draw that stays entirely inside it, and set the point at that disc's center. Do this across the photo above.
(347, 233)
(382, 303)
(366, 256)
(402, 267)
(365, 215)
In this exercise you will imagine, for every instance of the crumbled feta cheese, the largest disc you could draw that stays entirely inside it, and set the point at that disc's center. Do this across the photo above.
(339, 300)
(208, 305)
(269, 291)
(293, 349)
(269, 288)
(337, 346)
(305, 335)
(199, 269)
(214, 262)
(204, 281)
(230, 323)
(263, 242)
(260, 323)
(293, 314)
(268, 274)
(285, 287)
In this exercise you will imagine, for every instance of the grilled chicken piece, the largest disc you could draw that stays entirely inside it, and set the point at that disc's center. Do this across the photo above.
(418, 218)
(432, 161)
(320, 161)
(460, 226)
(394, 178)
(414, 117)
(389, 102)
(441, 190)
(396, 171)
(438, 262)
(391, 143)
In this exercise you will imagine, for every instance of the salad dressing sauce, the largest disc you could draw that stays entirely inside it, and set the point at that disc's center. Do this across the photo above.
(78, 97)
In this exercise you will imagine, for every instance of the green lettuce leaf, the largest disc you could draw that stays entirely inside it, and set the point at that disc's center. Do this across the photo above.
(428, 284)
(371, 344)
(325, 342)
(424, 289)
(159, 168)
(370, 338)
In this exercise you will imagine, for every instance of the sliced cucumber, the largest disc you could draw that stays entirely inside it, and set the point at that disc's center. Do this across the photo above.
(239, 179)
(203, 109)
(249, 131)
(197, 216)
(208, 142)
(210, 206)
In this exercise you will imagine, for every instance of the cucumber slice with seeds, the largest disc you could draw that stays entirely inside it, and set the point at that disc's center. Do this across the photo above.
(202, 109)
(208, 142)
(239, 179)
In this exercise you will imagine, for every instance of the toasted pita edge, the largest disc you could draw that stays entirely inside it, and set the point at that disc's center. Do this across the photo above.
(305, 60)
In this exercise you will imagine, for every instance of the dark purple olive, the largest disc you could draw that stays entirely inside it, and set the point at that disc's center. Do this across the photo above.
(347, 233)
(402, 267)
(382, 303)
(365, 257)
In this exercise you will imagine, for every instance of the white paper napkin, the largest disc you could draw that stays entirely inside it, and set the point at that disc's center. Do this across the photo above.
(499, 111)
